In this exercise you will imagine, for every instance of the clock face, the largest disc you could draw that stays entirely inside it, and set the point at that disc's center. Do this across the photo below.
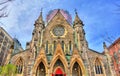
(58, 30)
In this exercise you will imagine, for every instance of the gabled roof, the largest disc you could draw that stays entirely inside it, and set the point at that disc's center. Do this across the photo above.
(115, 42)
(65, 13)
(58, 12)
(95, 51)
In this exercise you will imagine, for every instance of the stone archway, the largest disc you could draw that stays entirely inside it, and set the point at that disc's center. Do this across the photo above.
(59, 72)
(63, 61)
(77, 65)
(58, 69)
(40, 71)
(41, 58)
(76, 70)
(38, 63)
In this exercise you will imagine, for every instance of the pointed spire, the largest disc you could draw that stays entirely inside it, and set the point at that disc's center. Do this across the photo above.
(76, 12)
(77, 19)
(58, 10)
(105, 47)
(40, 18)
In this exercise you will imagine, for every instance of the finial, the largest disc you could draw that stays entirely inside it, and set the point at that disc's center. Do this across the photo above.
(104, 45)
(58, 10)
(40, 18)
(76, 11)
(41, 10)
(105, 48)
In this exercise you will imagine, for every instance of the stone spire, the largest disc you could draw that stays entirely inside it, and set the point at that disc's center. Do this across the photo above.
(38, 31)
(80, 40)
(77, 20)
(40, 19)
(39, 23)
(105, 47)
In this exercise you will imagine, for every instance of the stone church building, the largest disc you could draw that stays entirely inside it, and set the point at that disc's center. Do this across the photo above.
(59, 48)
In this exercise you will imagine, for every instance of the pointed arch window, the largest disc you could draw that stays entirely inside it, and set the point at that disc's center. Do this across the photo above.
(54, 45)
(19, 66)
(70, 47)
(59, 63)
(46, 46)
(98, 67)
(63, 45)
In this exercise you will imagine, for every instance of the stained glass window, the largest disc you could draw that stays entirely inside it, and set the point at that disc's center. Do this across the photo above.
(54, 45)
(62, 45)
(19, 66)
(47, 47)
(58, 31)
(98, 67)
(70, 46)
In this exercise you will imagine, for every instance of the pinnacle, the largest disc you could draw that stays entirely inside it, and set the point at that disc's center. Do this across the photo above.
(40, 18)
(77, 19)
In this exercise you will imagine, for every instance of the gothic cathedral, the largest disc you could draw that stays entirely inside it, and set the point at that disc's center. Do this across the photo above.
(59, 48)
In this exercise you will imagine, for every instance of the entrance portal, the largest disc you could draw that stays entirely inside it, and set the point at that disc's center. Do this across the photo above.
(58, 72)
(59, 75)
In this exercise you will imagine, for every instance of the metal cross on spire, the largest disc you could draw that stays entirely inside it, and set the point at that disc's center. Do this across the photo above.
(75, 11)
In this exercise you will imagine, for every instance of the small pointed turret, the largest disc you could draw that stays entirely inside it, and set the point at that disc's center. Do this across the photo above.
(39, 23)
(40, 19)
(108, 58)
(79, 35)
(105, 47)
(38, 31)
(77, 20)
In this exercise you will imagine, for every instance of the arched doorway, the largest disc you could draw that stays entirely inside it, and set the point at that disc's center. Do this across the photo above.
(59, 72)
(76, 70)
(59, 69)
(41, 70)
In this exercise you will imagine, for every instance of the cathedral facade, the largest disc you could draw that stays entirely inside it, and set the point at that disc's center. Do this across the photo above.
(59, 48)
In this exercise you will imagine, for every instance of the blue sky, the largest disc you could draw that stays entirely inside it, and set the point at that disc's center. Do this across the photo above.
(101, 18)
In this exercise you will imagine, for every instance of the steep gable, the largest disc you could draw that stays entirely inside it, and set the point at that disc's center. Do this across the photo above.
(59, 51)
(57, 20)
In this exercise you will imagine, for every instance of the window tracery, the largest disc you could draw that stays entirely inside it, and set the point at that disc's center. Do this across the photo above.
(62, 45)
(47, 47)
(98, 67)
(54, 45)
(19, 66)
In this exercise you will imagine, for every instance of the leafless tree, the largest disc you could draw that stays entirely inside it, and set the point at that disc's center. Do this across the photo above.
(3, 8)
(118, 8)
(107, 37)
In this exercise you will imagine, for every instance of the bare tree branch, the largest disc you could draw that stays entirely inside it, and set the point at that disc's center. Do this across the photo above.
(5, 2)
(118, 8)
(3, 8)
(118, 5)
(108, 38)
